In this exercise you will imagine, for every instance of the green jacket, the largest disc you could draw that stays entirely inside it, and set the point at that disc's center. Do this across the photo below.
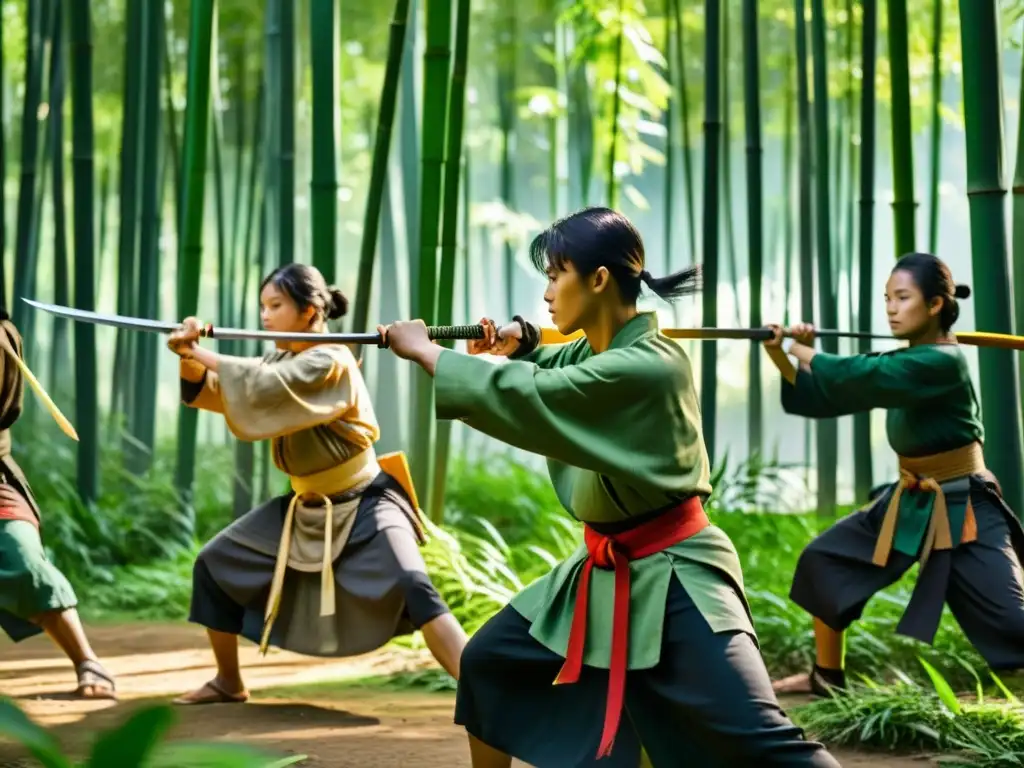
(621, 431)
(931, 407)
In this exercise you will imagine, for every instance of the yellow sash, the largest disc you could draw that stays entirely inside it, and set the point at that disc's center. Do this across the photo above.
(927, 473)
(330, 482)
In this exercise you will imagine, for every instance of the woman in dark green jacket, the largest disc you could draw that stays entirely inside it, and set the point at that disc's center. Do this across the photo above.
(945, 509)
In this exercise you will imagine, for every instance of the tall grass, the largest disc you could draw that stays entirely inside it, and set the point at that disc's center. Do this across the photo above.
(976, 730)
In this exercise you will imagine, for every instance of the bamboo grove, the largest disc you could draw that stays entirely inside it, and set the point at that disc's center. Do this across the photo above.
(410, 150)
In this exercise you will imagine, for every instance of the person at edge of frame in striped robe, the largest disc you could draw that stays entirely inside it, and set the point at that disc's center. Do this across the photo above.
(945, 509)
(666, 673)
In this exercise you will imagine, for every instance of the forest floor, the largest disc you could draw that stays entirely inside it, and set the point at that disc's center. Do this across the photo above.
(299, 705)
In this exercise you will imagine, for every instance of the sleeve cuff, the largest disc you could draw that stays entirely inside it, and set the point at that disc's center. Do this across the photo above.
(190, 389)
(530, 340)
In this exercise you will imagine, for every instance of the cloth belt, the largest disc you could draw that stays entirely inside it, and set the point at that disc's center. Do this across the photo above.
(927, 473)
(358, 470)
(613, 552)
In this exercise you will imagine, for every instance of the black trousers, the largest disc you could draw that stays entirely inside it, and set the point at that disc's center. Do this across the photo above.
(708, 703)
(982, 581)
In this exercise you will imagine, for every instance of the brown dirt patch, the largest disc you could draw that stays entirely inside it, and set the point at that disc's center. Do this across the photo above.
(338, 727)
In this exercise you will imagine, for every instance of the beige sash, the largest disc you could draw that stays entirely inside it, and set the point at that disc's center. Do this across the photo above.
(313, 536)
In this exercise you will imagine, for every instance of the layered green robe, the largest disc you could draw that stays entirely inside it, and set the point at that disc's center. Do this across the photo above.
(931, 407)
(622, 435)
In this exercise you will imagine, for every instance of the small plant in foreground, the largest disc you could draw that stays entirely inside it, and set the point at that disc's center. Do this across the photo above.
(139, 741)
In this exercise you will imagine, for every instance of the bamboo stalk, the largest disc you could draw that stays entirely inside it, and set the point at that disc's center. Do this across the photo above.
(60, 353)
(24, 262)
(787, 187)
(409, 131)
(581, 128)
(436, 61)
(128, 202)
(245, 452)
(190, 244)
(862, 422)
(903, 205)
(755, 207)
(726, 156)
(612, 182)
(379, 168)
(172, 125)
(933, 210)
(852, 164)
(983, 121)
(286, 149)
(506, 72)
(324, 183)
(806, 245)
(668, 220)
(684, 118)
(709, 298)
(1018, 231)
(143, 421)
(449, 234)
(220, 205)
(3, 181)
(828, 429)
(83, 179)
(238, 101)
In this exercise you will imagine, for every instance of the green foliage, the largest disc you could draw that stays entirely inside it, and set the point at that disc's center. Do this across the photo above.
(907, 715)
(139, 741)
(137, 520)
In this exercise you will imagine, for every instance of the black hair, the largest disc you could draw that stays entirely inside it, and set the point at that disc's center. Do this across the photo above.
(305, 285)
(933, 278)
(600, 237)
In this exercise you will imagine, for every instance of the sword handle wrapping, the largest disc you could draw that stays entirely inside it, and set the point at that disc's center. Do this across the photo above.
(453, 332)
(444, 332)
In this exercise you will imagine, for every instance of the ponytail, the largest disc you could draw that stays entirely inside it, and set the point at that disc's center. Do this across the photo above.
(675, 285)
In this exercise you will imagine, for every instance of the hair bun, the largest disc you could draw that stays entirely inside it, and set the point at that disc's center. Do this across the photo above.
(338, 305)
(962, 291)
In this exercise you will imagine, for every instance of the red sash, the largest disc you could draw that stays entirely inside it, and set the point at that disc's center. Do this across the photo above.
(614, 553)
(14, 507)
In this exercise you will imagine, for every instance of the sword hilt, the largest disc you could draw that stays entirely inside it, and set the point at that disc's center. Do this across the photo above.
(444, 333)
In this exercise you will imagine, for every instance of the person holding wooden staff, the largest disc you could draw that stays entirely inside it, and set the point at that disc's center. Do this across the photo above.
(35, 596)
(671, 667)
(945, 510)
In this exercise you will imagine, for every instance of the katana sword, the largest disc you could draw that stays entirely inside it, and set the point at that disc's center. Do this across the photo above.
(436, 332)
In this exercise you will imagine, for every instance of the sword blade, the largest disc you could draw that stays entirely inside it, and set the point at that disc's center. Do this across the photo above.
(98, 318)
(233, 334)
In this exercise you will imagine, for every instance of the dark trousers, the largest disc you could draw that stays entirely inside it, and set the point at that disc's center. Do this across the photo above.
(981, 581)
(708, 702)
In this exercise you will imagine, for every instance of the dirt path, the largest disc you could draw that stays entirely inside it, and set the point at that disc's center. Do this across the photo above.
(293, 711)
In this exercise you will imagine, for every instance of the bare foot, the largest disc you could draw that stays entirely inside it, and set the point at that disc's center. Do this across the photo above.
(213, 692)
(799, 683)
(94, 682)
